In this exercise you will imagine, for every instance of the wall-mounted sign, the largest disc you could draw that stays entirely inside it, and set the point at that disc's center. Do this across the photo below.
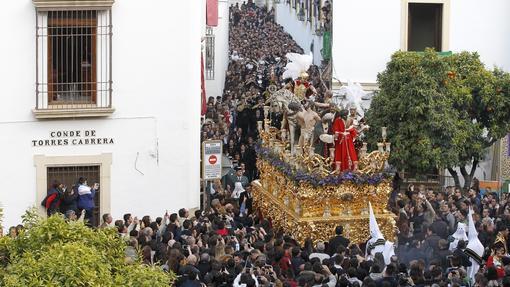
(72, 138)
(211, 159)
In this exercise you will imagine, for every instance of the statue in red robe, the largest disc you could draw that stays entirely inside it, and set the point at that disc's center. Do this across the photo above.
(345, 153)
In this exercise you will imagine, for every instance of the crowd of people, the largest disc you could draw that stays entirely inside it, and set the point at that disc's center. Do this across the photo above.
(257, 48)
(230, 244)
(72, 202)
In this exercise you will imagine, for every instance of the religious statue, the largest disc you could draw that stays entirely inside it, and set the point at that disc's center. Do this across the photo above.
(355, 120)
(345, 154)
(307, 119)
(323, 128)
(290, 106)
(296, 69)
(303, 89)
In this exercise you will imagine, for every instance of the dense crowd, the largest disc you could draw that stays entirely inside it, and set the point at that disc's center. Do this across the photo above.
(230, 244)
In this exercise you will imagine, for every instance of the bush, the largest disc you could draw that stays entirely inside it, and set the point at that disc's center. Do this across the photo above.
(53, 252)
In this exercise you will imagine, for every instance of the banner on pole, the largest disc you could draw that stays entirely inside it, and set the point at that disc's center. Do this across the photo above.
(212, 13)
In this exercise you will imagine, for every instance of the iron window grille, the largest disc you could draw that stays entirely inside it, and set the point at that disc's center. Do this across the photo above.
(74, 59)
(69, 175)
(209, 53)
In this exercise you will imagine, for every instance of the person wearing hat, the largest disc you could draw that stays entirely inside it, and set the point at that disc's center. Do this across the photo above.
(240, 177)
(236, 173)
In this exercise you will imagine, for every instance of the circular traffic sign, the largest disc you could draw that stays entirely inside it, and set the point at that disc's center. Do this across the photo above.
(213, 159)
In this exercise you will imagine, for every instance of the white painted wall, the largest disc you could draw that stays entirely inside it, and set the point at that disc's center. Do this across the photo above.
(301, 32)
(367, 32)
(484, 27)
(215, 87)
(156, 84)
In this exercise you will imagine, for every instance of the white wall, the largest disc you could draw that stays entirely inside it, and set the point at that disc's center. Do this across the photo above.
(156, 94)
(215, 87)
(301, 32)
(484, 27)
(367, 32)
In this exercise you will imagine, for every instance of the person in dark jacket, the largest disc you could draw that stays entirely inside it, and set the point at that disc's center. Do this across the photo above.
(459, 253)
(246, 201)
(337, 241)
(86, 196)
(69, 201)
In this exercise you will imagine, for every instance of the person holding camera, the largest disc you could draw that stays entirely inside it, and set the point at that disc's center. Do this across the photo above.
(69, 201)
(86, 196)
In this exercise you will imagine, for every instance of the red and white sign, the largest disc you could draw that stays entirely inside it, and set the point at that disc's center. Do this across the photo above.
(211, 159)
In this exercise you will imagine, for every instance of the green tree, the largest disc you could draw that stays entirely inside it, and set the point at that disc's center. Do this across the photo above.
(441, 111)
(54, 252)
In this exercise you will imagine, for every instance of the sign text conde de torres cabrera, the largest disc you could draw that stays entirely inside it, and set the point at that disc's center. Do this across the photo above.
(72, 138)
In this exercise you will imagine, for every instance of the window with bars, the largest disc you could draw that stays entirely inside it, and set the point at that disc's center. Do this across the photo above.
(74, 59)
(209, 54)
(69, 175)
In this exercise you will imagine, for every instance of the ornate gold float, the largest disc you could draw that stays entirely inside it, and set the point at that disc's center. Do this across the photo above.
(300, 194)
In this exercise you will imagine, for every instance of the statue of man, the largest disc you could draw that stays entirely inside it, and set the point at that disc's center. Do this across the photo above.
(307, 119)
(346, 157)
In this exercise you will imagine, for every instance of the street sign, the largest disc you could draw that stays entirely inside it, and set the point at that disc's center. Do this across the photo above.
(211, 159)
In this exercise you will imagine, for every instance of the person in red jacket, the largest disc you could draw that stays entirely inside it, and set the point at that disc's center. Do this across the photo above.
(496, 259)
(53, 198)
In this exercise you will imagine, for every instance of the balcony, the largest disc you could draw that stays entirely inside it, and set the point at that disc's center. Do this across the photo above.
(74, 59)
(72, 100)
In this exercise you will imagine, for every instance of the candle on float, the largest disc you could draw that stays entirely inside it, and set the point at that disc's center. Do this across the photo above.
(384, 132)
(388, 147)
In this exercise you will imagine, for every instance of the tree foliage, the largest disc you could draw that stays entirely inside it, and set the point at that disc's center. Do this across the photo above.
(54, 252)
(441, 111)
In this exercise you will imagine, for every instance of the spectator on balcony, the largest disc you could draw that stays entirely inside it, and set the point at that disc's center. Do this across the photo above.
(53, 198)
(86, 196)
(69, 201)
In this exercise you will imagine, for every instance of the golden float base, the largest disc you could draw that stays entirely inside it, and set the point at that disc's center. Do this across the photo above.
(303, 220)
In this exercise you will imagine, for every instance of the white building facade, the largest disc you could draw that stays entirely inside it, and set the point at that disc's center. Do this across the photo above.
(215, 49)
(367, 32)
(109, 91)
(303, 29)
